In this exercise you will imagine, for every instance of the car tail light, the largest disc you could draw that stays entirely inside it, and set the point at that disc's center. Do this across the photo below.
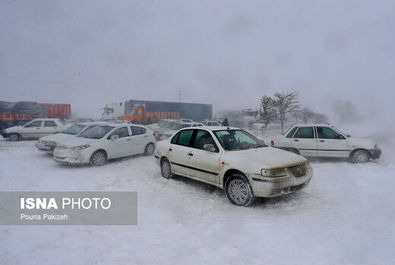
(154, 134)
(272, 142)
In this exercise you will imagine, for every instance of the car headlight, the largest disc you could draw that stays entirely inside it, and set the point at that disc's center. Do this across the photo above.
(77, 148)
(277, 172)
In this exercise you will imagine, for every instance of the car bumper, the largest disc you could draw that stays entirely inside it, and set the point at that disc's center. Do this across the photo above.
(375, 153)
(68, 156)
(273, 187)
(44, 147)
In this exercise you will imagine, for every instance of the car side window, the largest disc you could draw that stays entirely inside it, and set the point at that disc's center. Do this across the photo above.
(49, 124)
(203, 137)
(292, 132)
(121, 132)
(175, 138)
(136, 130)
(304, 132)
(34, 124)
(185, 137)
(328, 133)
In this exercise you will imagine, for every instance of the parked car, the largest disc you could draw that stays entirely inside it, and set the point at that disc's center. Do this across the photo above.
(49, 142)
(323, 140)
(178, 126)
(35, 129)
(234, 160)
(211, 123)
(100, 143)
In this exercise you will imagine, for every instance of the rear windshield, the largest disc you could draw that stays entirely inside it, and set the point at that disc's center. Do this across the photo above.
(96, 132)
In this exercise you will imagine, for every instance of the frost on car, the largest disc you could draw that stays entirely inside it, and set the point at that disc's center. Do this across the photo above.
(233, 160)
(323, 140)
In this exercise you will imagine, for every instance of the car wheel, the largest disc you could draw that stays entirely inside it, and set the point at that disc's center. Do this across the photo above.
(360, 156)
(149, 149)
(98, 158)
(238, 190)
(14, 137)
(165, 169)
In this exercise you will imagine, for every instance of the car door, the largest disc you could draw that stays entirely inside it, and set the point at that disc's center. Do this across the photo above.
(118, 147)
(49, 127)
(203, 165)
(32, 129)
(139, 139)
(331, 143)
(305, 142)
(178, 152)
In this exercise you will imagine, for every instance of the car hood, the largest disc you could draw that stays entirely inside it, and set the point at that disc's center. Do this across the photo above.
(76, 141)
(56, 137)
(361, 143)
(14, 129)
(253, 160)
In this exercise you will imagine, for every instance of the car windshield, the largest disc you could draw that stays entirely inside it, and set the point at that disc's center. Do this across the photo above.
(96, 132)
(237, 140)
(75, 129)
(165, 124)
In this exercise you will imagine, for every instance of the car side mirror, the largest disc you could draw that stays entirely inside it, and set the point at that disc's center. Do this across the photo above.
(348, 135)
(209, 147)
(341, 137)
(114, 137)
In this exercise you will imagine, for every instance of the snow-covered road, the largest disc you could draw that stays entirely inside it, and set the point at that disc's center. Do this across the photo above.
(345, 216)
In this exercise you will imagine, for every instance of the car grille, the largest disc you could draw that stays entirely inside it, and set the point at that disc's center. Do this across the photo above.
(299, 171)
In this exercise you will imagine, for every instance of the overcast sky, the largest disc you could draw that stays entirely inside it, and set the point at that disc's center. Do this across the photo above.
(227, 53)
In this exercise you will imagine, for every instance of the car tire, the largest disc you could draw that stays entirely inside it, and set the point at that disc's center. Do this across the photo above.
(165, 169)
(360, 156)
(149, 149)
(98, 158)
(14, 137)
(238, 190)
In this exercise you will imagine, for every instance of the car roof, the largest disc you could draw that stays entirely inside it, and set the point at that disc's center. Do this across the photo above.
(213, 128)
(312, 124)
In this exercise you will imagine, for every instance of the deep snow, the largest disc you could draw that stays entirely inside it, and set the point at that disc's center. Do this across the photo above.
(345, 216)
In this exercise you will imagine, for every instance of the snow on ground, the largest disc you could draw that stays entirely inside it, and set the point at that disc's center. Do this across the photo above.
(345, 216)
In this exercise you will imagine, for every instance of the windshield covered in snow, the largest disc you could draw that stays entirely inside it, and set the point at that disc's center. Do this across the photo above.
(179, 126)
(237, 140)
(75, 129)
(96, 132)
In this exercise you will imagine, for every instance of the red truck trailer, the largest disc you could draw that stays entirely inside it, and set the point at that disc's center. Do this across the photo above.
(17, 113)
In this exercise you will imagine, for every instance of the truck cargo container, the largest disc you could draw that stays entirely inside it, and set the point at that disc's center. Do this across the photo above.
(144, 111)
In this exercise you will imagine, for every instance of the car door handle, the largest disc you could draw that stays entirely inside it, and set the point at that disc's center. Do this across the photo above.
(296, 140)
(145, 135)
(322, 141)
(170, 149)
(129, 140)
(190, 154)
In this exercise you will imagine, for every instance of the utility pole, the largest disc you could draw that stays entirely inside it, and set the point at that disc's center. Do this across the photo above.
(179, 95)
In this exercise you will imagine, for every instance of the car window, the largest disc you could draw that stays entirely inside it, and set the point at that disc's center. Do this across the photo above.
(175, 138)
(136, 130)
(328, 133)
(237, 140)
(96, 132)
(292, 132)
(304, 132)
(121, 132)
(74, 129)
(185, 137)
(203, 137)
(34, 124)
(49, 124)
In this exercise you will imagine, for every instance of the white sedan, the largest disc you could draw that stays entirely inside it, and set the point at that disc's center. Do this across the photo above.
(234, 160)
(49, 142)
(35, 129)
(100, 143)
(323, 140)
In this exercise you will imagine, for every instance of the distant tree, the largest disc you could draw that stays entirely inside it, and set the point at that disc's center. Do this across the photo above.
(286, 103)
(268, 111)
(307, 115)
(319, 118)
(345, 111)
